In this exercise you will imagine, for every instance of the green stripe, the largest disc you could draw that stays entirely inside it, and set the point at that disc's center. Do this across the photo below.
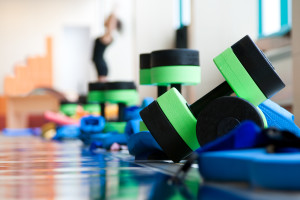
(238, 78)
(176, 110)
(189, 75)
(115, 126)
(92, 108)
(129, 97)
(95, 96)
(145, 77)
(68, 109)
(143, 127)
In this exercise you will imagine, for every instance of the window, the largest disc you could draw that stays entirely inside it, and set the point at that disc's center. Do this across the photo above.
(274, 17)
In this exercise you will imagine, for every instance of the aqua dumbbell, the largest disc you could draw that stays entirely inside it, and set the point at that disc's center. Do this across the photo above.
(145, 74)
(175, 67)
(96, 95)
(68, 108)
(248, 74)
(124, 94)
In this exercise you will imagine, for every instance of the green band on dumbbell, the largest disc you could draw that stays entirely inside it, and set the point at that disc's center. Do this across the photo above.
(143, 127)
(145, 77)
(95, 96)
(92, 108)
(176, 110)
(238, 78)
(68, 109)
(263, 117)
(115, 126)
(128, 97)
(189, 75)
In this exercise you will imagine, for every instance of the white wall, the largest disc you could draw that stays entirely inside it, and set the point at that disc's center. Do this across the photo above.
(155, 30)
(281, 59)
(24, 24)
(216, 25)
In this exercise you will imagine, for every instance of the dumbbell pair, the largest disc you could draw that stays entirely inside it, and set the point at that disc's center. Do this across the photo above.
(180, 129)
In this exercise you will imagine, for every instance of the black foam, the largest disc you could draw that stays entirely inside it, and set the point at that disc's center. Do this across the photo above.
(164, 133)
(173, 57)
(97, 86)
(64, 102)
(120, 85)
(145, 61)
(222, 115)
(258, 66)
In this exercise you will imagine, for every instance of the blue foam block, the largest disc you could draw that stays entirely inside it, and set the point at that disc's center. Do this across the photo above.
(256, 166)
(278, 117)
(133, 112)
(132, 126)
(146, 102)
(142, 144)
(67, 132)
(105, 140)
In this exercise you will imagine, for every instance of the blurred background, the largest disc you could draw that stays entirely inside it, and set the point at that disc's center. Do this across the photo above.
(48, 44)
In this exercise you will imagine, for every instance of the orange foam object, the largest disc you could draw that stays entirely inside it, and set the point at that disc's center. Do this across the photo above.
(36, 73)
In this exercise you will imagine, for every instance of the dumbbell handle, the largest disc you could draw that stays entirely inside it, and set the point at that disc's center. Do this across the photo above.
(161, 90)
(177, 86)
(102, 106)
(223, 89)
(121, 114)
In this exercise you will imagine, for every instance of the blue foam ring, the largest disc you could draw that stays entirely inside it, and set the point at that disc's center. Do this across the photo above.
(92, 124)
(255, 166)
(132, 126)
(246, 135)
(278, 117)
(142, 144)
(67, 132)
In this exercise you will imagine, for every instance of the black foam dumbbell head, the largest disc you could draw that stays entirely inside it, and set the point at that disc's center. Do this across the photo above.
(258, 66)
(145, 61)
(224, 114)
(97, 86)
(175, 57)
(164, 132)
(120, 85)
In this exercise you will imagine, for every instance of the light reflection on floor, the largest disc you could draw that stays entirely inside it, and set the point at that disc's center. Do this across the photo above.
(31, 168)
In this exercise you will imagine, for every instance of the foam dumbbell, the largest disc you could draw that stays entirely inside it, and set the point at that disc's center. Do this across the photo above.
(145, 74)
(68, 108)
(124, 94)
(172, 122)
(175, 67)
(96, 95)
(91, 108)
